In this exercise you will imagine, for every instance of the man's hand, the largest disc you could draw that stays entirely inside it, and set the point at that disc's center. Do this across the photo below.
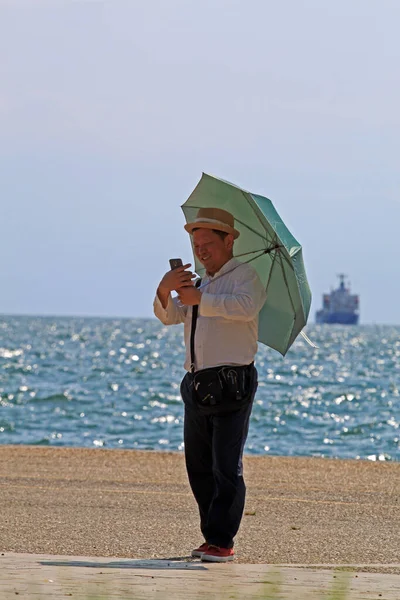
(174, 280)
(189, 295)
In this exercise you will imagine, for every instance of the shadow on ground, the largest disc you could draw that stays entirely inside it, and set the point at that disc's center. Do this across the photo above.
(177, 562)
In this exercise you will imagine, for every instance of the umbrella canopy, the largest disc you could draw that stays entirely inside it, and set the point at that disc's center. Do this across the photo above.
(270, 248)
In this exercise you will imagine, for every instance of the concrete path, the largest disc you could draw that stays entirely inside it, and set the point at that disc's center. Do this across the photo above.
(130, 504)
(47, 577)
(133, 515)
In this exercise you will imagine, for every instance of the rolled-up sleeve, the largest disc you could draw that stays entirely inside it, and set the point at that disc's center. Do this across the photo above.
(172, 314)
(244, 304)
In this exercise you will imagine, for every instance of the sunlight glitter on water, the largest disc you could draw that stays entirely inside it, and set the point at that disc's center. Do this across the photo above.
(115, 383)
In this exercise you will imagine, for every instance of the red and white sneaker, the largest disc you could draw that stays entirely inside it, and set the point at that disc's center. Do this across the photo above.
(217, 554)
(198, 552)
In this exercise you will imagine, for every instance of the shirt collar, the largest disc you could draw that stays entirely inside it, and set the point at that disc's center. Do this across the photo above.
(230, 264)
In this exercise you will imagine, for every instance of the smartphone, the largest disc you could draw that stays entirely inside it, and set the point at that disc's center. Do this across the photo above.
(175, 263)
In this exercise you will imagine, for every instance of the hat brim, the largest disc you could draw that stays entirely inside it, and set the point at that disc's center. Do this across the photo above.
(205, 225)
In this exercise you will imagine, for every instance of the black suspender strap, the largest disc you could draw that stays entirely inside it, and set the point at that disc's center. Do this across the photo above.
(195, 310)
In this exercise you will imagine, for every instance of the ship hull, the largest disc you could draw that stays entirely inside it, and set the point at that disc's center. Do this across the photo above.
(339, 318)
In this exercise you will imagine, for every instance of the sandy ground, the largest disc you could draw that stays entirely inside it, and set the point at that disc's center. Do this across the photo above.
(126, 503)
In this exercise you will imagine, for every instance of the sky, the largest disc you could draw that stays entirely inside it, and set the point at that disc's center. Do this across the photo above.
(111, 110)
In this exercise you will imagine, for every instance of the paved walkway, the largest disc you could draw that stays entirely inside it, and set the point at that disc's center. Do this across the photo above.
(47, 577)
(133, 515)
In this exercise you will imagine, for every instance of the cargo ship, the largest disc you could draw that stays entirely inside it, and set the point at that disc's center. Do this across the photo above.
(340, 306)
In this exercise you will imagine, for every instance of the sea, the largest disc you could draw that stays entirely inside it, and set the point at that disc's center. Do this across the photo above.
(114, 383)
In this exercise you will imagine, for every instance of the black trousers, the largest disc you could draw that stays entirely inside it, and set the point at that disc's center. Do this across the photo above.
(213, 453)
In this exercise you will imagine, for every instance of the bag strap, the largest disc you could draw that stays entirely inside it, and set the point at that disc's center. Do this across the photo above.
(195, 311)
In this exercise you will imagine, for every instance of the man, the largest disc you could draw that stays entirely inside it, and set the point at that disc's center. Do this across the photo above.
(225, 342)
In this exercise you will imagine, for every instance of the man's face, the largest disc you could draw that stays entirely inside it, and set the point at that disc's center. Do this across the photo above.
(211, 250)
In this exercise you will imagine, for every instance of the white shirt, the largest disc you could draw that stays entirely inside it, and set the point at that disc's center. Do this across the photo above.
(227, 323)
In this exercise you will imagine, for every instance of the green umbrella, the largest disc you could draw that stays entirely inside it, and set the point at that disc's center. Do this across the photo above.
(270, 248)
